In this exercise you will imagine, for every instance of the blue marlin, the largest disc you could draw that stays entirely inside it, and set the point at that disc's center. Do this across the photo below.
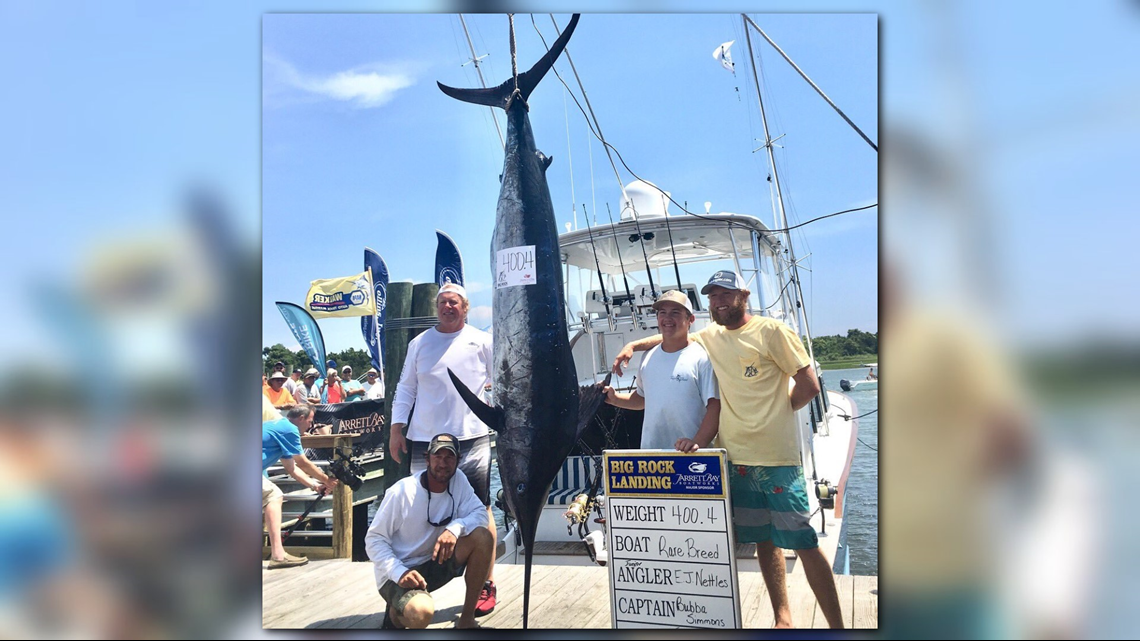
(539, 410)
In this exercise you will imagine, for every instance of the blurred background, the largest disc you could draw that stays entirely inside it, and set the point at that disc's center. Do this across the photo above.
(130, 191)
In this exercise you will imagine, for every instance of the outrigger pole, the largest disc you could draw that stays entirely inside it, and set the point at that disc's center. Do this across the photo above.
(748, 21)
(782, 223)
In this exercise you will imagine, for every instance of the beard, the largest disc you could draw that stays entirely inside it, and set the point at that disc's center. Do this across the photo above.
(731, 316)
(441, 474)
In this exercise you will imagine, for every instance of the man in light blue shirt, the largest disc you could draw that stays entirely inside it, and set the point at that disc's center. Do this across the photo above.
(281, 441)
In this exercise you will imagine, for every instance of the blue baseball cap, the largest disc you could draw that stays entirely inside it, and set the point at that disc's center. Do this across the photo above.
(726, 279)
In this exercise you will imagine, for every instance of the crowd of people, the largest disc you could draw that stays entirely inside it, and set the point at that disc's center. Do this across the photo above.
(284, 392)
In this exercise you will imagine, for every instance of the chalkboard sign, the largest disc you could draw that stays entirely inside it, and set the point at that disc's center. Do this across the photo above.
(670, 540)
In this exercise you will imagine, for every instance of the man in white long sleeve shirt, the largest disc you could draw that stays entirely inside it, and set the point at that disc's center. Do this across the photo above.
(429, 529)
(424, 383)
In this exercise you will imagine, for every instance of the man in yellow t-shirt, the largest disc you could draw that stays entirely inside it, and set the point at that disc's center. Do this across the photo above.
(754, 359)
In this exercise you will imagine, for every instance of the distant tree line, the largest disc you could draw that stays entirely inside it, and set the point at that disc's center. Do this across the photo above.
(855, 343)
(358, 359)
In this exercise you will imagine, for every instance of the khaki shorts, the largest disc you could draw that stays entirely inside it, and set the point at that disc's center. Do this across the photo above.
(437, 575)
(269, 491)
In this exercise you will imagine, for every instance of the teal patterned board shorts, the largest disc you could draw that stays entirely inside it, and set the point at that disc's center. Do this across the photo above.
(771, 504)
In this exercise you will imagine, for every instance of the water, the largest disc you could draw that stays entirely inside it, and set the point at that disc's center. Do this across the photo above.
(496, 485)
(861, 516)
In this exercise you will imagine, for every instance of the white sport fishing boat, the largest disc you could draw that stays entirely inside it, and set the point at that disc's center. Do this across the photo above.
(613, 274)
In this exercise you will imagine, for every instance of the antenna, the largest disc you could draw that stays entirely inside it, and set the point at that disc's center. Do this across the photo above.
(475, 59)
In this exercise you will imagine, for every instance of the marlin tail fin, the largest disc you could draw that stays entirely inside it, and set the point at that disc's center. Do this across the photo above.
(500, 96)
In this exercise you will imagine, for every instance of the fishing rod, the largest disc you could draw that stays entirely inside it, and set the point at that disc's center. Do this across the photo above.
(586, 97)
(598, 266)
(676, 269)
(621, 264)
(301, 519)
(641, 238)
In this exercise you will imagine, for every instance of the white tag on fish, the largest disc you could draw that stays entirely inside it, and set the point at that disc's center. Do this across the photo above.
(515, 266)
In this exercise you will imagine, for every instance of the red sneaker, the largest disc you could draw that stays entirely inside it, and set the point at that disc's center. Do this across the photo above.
(486, 603)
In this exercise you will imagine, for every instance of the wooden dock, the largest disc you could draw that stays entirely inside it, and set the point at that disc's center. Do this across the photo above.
(339, 594)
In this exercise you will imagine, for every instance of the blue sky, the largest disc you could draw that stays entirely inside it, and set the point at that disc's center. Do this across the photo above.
(361, 148)
(101, 141)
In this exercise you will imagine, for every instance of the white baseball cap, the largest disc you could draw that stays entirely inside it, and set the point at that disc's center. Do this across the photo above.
(454, 288)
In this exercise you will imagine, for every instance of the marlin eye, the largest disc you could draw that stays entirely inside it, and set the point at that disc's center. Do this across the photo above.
(521, 488)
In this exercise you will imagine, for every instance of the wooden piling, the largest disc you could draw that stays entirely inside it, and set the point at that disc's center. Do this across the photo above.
(342, 508)
(423, 304)
(398, 305)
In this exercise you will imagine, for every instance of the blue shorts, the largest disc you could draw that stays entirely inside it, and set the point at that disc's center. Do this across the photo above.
(771, 504)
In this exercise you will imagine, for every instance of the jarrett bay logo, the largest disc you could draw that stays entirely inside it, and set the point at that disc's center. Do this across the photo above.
(364, 425)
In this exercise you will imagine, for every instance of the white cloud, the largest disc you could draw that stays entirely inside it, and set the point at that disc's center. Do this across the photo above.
(474, 287)
(365, 87)
(479, 316)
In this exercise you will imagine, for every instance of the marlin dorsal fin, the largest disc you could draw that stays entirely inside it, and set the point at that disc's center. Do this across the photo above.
(492, 416)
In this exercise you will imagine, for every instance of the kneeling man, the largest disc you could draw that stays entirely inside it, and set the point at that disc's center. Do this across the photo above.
(430, 528)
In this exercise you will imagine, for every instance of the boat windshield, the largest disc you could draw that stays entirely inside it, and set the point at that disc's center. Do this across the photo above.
(700, 246)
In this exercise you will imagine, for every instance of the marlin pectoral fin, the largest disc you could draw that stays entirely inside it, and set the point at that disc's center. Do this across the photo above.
(544, 159)
(492, 416)
(590, 398)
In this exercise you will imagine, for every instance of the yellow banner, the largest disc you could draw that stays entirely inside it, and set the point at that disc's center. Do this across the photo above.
(348, 296)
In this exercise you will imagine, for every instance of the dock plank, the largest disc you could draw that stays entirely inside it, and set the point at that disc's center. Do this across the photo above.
(842, 587)
(866, 610)
(508, 585)
(561, 597)
(580, 606)
(309, 595)
(847, 599)
(755, 604)
(801, 600)
(288, 575)
(546, 582)
(561, 610)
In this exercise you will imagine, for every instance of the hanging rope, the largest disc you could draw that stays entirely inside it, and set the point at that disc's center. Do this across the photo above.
(514, 56)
